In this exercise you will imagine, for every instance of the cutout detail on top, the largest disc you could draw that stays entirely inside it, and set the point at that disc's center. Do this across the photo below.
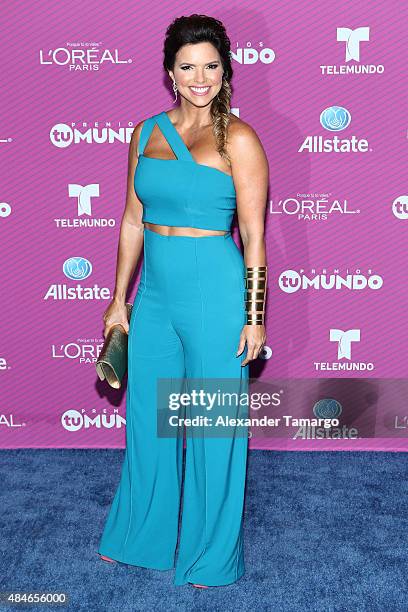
(173, 139)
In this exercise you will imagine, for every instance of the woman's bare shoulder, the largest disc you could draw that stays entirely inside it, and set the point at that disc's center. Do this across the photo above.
(239, 127)
(241, 135)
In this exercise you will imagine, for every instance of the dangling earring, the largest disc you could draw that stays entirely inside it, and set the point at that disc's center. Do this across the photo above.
(175, 91)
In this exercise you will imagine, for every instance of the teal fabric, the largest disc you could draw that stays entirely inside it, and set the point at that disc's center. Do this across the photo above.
(181, 192)
(186, 322)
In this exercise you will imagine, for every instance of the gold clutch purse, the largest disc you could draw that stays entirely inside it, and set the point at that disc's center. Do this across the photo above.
(112, 361)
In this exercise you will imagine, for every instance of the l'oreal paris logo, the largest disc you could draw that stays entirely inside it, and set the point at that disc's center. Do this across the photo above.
(82, 57)
(7, 420)
(84, 351)
(311, 206)
(334, 119)
(320, 206)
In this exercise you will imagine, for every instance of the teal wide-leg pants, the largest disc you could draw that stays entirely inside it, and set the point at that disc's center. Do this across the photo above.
(186, 322)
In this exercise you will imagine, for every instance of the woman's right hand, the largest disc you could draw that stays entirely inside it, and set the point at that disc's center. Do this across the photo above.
(115, 314)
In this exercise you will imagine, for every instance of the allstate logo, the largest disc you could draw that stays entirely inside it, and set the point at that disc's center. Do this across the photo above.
(327, 409)
(335, 118)
(77, 268)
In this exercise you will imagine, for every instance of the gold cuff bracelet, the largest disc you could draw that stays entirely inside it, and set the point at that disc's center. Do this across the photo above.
(255, 294)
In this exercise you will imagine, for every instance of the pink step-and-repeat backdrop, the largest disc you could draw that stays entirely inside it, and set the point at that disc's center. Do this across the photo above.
(324, 85)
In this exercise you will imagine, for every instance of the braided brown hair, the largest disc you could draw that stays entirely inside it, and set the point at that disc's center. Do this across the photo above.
(201, 28)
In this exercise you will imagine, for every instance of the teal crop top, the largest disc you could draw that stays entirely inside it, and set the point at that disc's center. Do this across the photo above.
(181, 192)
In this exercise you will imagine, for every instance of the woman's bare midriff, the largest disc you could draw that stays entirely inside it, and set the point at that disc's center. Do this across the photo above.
(169, 230)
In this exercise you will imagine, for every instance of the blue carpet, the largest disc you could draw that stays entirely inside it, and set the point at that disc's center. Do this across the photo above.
(324, 531)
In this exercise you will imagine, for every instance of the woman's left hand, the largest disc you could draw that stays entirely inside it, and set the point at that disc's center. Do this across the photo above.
(255, 337)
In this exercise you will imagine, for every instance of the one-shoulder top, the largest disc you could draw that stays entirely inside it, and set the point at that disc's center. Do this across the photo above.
(181, 192)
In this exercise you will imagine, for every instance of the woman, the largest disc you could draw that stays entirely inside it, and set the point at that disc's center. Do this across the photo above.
(189, 318)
